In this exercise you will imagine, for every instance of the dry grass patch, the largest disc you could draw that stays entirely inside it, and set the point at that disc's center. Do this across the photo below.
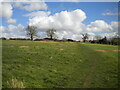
(61, 49)
(24, 46)
(107, 50)
(14, 83)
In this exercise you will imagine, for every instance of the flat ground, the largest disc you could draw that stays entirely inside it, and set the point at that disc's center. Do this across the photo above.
(47, 64)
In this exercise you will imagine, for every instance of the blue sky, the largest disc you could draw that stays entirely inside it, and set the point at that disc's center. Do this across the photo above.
(93, 11)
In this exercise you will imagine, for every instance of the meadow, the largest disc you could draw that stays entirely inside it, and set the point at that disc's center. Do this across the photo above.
(49, 64)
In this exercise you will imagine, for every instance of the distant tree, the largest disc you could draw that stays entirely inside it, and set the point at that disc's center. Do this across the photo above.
(85, 37)
(3, 38)
(115, 40)
(51, 33)
(103, 40)
(31, 32)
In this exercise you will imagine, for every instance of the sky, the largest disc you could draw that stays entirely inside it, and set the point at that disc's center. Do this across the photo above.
(70, 19)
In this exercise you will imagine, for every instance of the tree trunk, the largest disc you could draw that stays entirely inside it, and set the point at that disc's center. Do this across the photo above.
(51, 37)
(84, 40)
(31, 38)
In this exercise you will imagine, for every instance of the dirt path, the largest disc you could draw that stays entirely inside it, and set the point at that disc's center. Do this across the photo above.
(93, 71)
(89, 77)
(84, 78)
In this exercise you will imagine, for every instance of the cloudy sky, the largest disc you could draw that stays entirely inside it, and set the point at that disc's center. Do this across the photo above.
(70, 19)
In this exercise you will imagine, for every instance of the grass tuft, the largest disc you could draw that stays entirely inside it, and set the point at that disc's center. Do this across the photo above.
(14, 83)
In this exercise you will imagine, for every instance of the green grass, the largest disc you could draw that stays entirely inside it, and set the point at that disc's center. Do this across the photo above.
(47, 64)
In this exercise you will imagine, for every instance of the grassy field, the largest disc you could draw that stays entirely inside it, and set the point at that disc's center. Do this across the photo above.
(47, 64)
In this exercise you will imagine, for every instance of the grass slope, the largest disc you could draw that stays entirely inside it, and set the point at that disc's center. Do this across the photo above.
(48, 64)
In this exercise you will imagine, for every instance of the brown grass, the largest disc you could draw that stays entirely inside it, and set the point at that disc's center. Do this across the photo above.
(14, 83)
(61, 49)
(24, 46)
(107, 50)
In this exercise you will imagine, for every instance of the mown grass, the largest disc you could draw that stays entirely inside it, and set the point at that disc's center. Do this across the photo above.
(47, 64)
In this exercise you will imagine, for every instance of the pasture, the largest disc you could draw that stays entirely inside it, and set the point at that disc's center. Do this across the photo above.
(49, 64)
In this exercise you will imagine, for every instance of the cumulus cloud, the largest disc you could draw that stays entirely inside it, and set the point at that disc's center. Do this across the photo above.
(12, 31)
(6, 9)
(30, 6)
(38, 13)
(11, 20)
(70, 24)
(63, 20)
(103, 29)
(115, 25)
(108, 35)
(7, 12)
(99, 26)
(66, 23)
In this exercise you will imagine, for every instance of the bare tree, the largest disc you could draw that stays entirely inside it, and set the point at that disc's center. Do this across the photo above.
(31, 32)
(85, 37)
(51, 33)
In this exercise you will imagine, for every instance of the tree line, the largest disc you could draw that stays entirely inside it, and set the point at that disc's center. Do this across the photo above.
(31, 32)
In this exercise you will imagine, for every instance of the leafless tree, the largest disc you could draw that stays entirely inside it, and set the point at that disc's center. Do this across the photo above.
(85, 37)
(51, 33)
(31, 32)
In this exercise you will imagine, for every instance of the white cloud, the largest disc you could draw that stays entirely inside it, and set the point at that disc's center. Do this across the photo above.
(7, 12)
(115, 25)
(69, 24)
(99, 26)
(103, 29)
(12, 31)
(30, 6)
(38, 13)
(2, 29)
(66, 23)
(11, 20)
(62, 20)
(6, 9)
(108, 35)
